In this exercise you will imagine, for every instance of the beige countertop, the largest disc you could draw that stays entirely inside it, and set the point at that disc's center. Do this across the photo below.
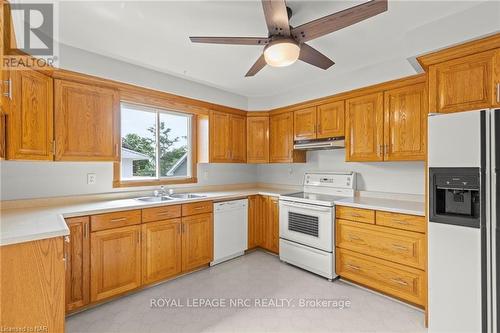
(19, 225)
(28, 223)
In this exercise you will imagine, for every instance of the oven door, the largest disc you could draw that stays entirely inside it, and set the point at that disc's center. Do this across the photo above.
(307, 224)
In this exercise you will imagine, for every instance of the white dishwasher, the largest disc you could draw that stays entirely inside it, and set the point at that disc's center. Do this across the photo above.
(230, 230)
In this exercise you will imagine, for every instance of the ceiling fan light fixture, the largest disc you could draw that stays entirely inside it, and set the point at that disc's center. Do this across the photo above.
(281, 53)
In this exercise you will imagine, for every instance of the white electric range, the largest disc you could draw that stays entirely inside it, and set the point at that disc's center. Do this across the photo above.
(307, 221)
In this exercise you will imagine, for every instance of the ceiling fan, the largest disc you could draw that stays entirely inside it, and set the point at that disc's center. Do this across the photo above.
(285, 44)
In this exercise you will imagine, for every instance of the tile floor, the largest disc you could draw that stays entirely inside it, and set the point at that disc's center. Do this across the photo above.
(255, 279)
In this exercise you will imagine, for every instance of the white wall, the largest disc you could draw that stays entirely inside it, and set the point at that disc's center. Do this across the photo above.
(82, 61)
(23, 180)
(395, 177)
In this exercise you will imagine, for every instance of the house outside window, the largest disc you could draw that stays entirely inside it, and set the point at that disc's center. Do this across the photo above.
(156, 144)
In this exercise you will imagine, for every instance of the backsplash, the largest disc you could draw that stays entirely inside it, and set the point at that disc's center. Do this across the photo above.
(26, 180)
(398, 177)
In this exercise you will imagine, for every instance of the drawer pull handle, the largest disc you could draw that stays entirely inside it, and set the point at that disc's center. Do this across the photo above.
(398, 281)
(356, 215)
(402, 222)
(354, 238)
(163, 213)
(119, 219)
(201, 207)
(400, 247)
(353, 267)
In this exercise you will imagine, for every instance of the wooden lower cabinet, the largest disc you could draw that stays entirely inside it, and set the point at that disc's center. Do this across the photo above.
(384, 251)
(197, 241)
(254, 221)
(32, 286)
(115, 262)
(161, 250)
(271, 225)
(396, 280)
(77, 254)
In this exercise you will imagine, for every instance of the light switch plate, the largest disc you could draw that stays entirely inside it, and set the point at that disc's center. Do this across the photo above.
(91, 178)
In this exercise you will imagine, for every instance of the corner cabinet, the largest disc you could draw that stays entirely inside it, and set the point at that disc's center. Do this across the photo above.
(86, 122)
(281, 140)
(258, 139)
(365, 128)
(466, 83)
(227, 137)
(30, 119)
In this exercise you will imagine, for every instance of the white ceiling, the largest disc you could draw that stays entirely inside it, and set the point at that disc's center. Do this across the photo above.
(155, 35)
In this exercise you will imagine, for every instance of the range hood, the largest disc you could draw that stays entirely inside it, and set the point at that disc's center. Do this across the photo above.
(329, 143)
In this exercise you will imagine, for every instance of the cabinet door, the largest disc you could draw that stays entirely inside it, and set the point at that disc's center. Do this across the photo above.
(86, 122)
(281, 138)
(304, 124)
(496, 78)
(116, 261)
(77, 253)
(219, 128)
(405, 124)
(273, 223)
(238, 128)
(462, 84)
(270, 240)
(258, 140)
(161, 250)
(30, 118)
(255, 220)
(365, 128)
(330, 118)
(197, 241)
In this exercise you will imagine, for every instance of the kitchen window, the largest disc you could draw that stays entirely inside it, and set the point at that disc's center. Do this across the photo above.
(156, 146)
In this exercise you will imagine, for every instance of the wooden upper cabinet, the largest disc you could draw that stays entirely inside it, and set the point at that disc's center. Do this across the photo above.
(304, 124)
(496, 78)
(219, 136)
(227, 138)
(86, 122)
(77, 253)
(405, 123)
(238, 147)
(463, 84)
(30, 118)
(258, 139)
(161, 250)
(365, 128)
(197, 241)
(330, 120)
(116, 261)
(281, 140)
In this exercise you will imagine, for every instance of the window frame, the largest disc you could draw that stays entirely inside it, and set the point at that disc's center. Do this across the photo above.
(158, 180)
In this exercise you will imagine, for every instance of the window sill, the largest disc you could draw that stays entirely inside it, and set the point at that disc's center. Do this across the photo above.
(136, 183)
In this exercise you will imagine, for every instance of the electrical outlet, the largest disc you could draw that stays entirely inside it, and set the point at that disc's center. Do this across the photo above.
(91, 178)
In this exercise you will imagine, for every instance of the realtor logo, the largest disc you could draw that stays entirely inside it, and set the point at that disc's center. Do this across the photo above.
(37, 35)
(34, 34)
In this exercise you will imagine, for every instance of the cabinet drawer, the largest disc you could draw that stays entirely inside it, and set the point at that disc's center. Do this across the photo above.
(403, 247)
(355, 214)
(197, 208)
(161, 213)
(401, 221)
(115, 220)
(396, 280)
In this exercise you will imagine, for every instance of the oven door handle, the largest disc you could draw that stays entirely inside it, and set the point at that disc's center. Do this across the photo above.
(311, 207)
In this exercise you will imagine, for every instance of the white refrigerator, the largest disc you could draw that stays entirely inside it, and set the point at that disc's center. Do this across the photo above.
(463, 232)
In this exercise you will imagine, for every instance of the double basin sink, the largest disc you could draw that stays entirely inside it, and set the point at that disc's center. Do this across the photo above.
(170, 197)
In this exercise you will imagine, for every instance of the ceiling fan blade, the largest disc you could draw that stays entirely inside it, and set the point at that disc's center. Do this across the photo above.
(314, 57)
(231, 40)
(259, 64)
(276, 17)
(339, 20)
